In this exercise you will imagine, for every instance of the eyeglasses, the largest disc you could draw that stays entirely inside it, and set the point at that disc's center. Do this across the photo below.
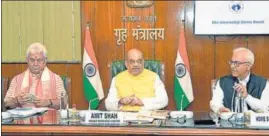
(37, 60)
(237, 63)
(135, 61)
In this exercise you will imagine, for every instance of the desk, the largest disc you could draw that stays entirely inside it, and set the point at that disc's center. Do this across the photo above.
(126, 130)
(57, 129)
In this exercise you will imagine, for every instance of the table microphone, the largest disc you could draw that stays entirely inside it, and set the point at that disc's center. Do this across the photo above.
(240, 93)
(232, 104)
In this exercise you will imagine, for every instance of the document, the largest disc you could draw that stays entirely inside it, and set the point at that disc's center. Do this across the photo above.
(156, 114)
(26, 112)
(134, 117)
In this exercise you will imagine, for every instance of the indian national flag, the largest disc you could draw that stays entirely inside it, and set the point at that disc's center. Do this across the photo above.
(182, 83)
(92, 83)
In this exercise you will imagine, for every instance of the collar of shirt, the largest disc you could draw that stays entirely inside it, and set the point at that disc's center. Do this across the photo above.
(244, 81)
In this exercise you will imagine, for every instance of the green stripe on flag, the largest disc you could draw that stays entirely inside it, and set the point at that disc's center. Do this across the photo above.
(178, 95)
(90, 92)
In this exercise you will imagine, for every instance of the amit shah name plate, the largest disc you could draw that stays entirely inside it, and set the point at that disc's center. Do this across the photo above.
(103, 118)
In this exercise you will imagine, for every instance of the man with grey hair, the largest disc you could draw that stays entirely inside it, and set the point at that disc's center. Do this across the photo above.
(37, 86)
(254, 89)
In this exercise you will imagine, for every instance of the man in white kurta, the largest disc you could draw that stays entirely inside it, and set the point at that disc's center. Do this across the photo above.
(254, 89)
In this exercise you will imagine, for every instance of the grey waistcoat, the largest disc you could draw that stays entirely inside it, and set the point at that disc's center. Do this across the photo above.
(255, 86)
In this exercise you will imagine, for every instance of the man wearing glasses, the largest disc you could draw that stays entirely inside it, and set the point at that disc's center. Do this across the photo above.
(37, 86)
(136, 88)
(254, 89)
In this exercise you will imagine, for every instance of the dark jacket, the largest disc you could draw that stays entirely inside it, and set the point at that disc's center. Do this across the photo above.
(255, 87)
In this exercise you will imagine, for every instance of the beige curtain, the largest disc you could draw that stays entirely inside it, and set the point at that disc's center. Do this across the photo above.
(56, 24)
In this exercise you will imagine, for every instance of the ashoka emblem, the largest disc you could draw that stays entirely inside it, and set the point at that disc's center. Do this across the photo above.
(90, 70)
(180, 70)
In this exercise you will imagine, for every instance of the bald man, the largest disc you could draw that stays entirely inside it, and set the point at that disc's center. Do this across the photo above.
(136, 88)
(254, 89)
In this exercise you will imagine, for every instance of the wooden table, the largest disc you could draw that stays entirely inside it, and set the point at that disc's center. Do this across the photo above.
(86, 130)
(54, 128)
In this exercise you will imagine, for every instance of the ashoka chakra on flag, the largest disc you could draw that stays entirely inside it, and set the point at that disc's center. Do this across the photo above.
(89, 70)
(180, 70)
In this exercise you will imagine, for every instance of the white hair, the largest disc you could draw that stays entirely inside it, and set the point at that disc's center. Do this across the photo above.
(37, 48)
(250, 56)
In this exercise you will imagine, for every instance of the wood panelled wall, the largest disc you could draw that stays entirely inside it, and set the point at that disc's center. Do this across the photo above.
(208, 56)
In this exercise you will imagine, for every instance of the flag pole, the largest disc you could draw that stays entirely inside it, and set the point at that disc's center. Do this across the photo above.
(183, 15)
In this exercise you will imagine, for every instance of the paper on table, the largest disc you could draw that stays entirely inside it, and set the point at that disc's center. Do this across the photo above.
(25, 112)
(5, 115)
(157, 114)
(134, 117)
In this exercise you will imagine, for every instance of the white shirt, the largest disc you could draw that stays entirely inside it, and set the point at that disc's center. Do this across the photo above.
(158, 102)
(255, 104)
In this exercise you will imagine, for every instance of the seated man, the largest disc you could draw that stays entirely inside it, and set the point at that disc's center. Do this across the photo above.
(136, 88)
(254, 89)
(37, 86)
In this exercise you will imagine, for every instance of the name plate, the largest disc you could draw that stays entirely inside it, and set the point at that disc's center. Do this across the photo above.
(259, 119)
(103, 118)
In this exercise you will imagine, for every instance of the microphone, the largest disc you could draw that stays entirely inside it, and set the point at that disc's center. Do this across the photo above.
(239, 101)
(240, 93)
(232, 104)
(181, 104)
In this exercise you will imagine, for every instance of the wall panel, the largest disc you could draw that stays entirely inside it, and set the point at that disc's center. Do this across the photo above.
(208, 56)
(260, 48)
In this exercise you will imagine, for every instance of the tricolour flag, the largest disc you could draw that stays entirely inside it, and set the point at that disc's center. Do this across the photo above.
(92, 83)
(182, 82)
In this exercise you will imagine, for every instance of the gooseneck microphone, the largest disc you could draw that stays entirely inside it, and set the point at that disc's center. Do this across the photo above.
(232, 104)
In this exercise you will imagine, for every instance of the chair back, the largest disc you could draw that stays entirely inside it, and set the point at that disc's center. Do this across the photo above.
(153, 65)
(4, 82)
(213, 86)
(67, 87)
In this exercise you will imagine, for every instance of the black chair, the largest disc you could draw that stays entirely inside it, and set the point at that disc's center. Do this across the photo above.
(67, 87)
(4, 88)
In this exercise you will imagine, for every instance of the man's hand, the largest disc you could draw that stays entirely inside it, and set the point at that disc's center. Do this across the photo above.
(24, 98)
(223, 109)
(42, 102)
(241, 89)
(136, 101)
(11, 103)
(131, 100)
(126, 100)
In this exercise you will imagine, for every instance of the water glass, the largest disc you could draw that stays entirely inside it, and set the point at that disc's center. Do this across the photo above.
(64, 112)
(239, 119)
(214, 117)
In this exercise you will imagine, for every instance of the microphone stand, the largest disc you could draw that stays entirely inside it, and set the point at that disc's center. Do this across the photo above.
(90, 102)
(181, 104)
(239, 109)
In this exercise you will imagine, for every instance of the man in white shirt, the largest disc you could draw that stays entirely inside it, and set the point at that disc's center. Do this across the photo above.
(254, 89)
(136, 88)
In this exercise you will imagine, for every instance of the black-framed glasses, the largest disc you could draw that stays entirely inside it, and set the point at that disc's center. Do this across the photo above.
(131, 61)
(237, 63)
